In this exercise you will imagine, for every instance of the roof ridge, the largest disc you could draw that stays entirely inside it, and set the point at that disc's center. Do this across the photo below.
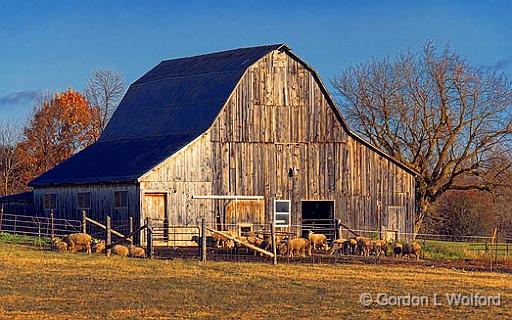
(276, 45)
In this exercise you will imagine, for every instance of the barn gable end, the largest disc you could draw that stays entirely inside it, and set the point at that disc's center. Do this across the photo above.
(279, 118)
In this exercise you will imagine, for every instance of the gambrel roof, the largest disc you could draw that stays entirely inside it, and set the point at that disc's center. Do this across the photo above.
(163, 111)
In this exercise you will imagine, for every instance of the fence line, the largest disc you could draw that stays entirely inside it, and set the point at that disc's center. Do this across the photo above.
(41, 227)
(236, 242)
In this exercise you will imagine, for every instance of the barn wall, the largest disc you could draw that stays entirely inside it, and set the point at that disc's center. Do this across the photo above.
(188, 172)
(102, 202)
(278, 118)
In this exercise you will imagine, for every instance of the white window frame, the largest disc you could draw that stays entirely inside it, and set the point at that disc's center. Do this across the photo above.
(279, 223)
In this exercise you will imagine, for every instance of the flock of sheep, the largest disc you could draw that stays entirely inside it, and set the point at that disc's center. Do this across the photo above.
(317, 242)
(82, 242)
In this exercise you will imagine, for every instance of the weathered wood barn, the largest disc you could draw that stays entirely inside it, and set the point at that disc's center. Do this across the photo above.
(192, 134)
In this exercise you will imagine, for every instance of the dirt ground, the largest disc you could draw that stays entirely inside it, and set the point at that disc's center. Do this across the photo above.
(37, 284)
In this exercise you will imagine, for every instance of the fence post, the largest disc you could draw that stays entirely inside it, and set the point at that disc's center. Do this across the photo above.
(108, 236)
(1, 216)
(84, 222)
(52, 226)
(486, 247)
(496, 253)
(203, 240)
(274, 243)
(15, 222)
(149, 238)
(130, 221)
(39, 232)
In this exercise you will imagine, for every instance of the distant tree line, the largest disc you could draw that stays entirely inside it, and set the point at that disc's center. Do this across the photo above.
(61, 124)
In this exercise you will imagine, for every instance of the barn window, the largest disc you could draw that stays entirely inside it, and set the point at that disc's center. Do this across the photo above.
(282, 213)
(49, 201)
(120, 199)
(84, 200)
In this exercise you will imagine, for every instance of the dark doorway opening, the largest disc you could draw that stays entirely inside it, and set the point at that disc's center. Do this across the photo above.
(318, 216)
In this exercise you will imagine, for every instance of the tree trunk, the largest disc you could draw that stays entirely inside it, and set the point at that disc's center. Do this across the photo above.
(424, 205)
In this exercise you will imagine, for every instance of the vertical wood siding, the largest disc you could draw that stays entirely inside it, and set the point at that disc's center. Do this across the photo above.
(102, 202)
(278, 118)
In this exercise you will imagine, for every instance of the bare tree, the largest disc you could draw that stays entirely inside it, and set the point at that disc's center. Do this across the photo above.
(104, 90)
(435, 112)
(10, 160)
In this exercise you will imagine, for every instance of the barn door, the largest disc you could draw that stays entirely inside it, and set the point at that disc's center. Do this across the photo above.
(155, 208)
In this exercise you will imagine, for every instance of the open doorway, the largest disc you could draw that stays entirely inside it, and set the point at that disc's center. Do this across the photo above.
(318, 216)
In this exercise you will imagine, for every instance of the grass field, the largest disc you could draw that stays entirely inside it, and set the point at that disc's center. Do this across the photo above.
(37, 284)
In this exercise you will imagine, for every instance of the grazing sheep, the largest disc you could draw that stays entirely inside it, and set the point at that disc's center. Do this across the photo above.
(261, 243)
(265, 244)
(411, 248)
(99, 247)
(120, 250)
(351, 246)
(364, 246)
(379, 247)
(397, 249)
(318, 239)
(222, 241)
(297, 247)
(339, 246)
(59, 245)
(78, 242)
(136, 252)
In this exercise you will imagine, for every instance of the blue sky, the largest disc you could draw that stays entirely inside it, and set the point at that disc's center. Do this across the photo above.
(54, 45)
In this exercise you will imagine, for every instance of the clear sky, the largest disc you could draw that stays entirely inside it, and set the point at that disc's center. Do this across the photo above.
(54, 45)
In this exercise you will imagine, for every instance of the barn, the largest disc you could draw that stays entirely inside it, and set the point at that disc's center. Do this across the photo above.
(244, 136)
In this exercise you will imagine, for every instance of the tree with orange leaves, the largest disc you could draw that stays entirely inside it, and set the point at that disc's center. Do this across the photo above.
(61, 125)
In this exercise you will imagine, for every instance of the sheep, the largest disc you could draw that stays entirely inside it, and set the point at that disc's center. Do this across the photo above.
(136, 252)
(80, 240)
(338, 245)
(62, 247)
(318, 239)
(99, 247)
(297, 247)
(221, 241)
(397, 249)
(380, 246)
(351, 246)
(411, 248)
(364, 246)
(120, 250)
(59, 245)
(264, 244)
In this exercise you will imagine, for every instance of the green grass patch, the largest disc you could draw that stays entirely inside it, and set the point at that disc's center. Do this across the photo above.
(22, 239)
(442, 250)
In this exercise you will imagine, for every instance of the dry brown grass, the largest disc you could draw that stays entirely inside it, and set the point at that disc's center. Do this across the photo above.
(35, 284)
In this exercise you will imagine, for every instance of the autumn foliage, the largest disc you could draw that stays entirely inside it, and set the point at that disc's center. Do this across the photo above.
(60, 126)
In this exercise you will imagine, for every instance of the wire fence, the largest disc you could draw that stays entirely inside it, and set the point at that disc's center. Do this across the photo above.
(311, 242)
(253, 242)
(41, 227)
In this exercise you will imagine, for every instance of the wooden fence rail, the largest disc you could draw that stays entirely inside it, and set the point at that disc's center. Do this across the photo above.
(243, 243)
(104, 227)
